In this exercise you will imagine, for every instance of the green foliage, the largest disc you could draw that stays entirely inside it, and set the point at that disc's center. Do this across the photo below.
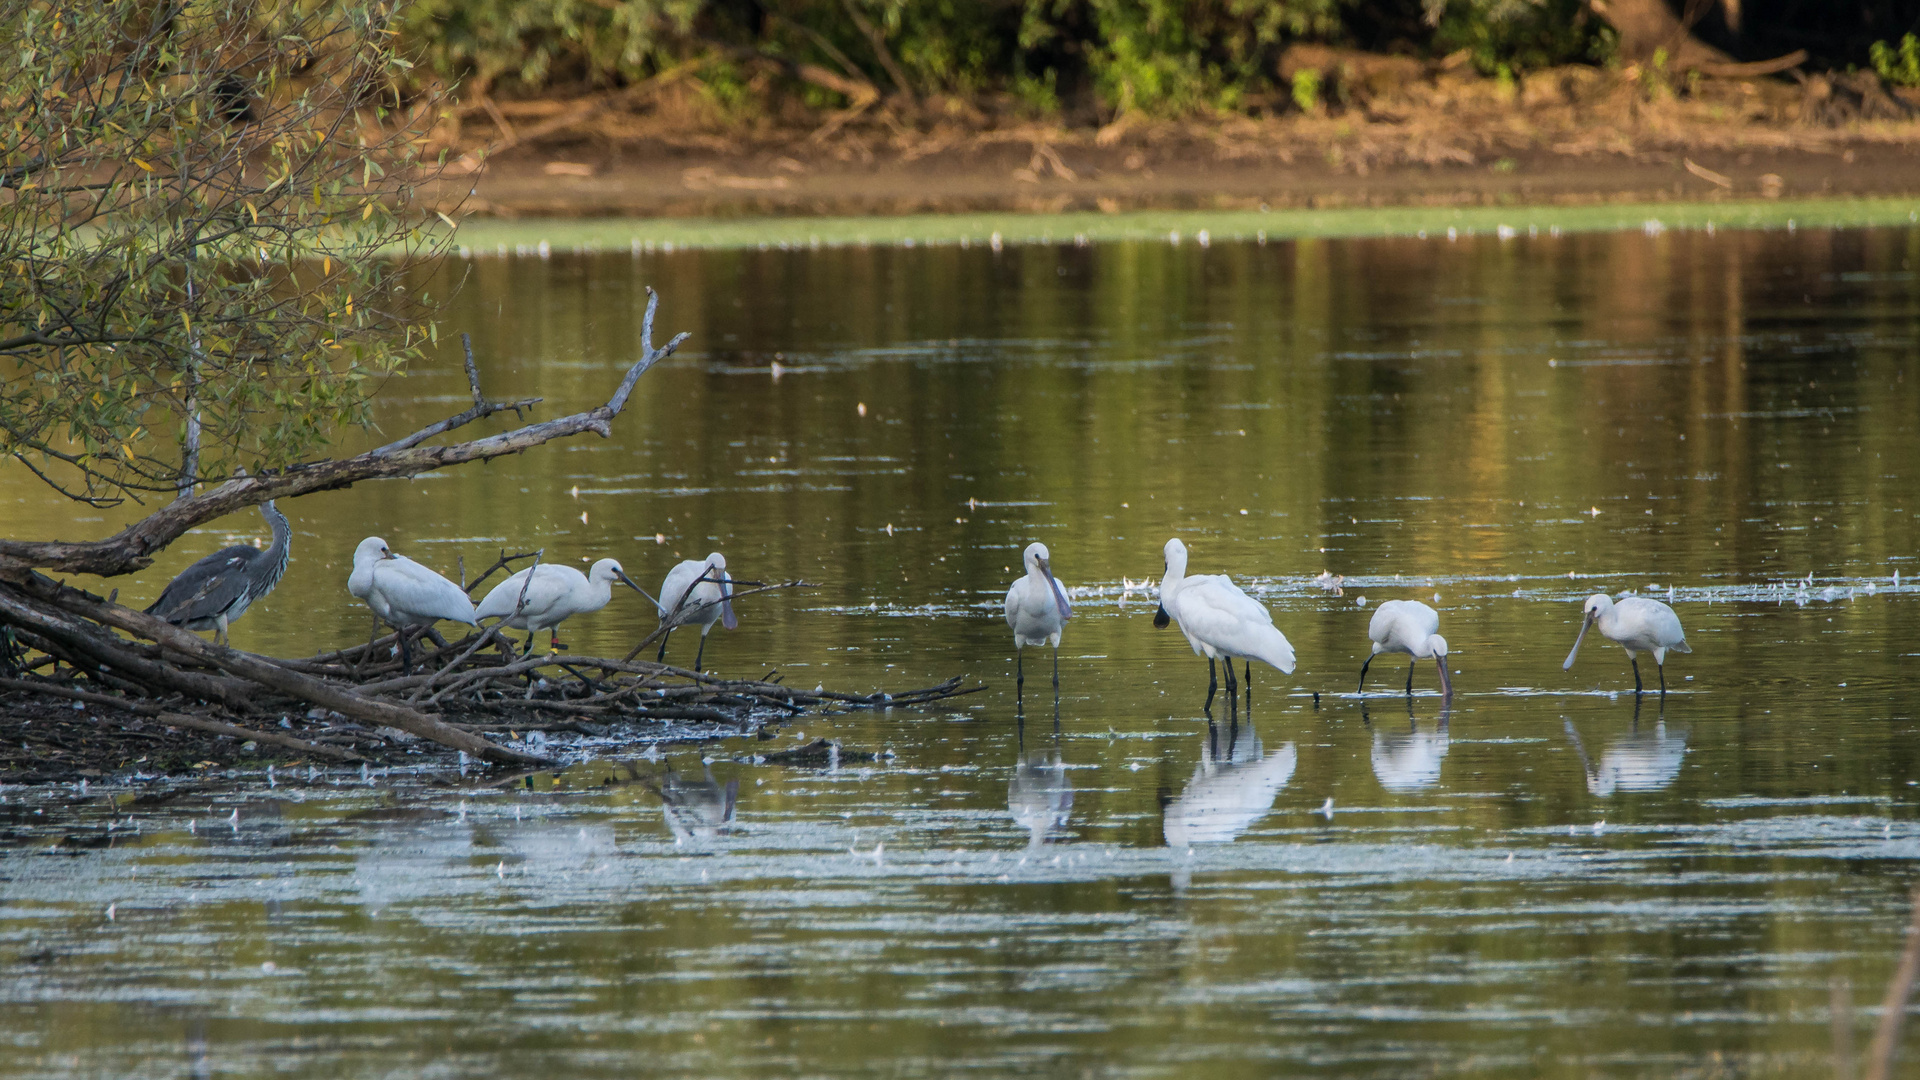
(535, 43)
(1898, 66)
(1522, 35)
(197, 195)
(1306, 89)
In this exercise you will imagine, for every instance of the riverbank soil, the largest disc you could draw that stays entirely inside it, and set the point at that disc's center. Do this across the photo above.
(1411, 134)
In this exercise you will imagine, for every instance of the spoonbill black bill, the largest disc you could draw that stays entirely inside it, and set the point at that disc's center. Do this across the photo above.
(1411, 627)
(1637, 625)
(218, 589)
(1037, 610)
(402, 593)
(696, 592)
(1219, 620)
(544, 596)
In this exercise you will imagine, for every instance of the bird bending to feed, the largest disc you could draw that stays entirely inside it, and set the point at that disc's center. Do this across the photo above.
(1411, 627)
(1637, 625)
(218, 589)
(696, 592)
(402, 593)
(1219, 620)
(554, 593)
(1037, 609)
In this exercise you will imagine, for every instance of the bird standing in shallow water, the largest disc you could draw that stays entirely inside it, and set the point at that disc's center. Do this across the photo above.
(218, 589)
(1637, 625)
(1037, 610)
(402, 593)
(554, 594)
(1411, 627)
(1219, 620)
(688, 600)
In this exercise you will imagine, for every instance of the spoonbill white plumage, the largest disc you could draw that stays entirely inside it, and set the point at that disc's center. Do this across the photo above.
(696, 592)
(402, 593)
(1218, 619)
(553, 593)
(1637, 625)
(218, 588)
(1411, 627)
(1037, 610)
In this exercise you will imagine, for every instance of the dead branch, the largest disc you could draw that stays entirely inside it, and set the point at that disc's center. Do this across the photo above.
(217, 727)
(132, 548)
(666, 623)
(1893, 1009)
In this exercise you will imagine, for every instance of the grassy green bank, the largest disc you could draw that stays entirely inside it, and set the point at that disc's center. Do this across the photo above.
(479, 236)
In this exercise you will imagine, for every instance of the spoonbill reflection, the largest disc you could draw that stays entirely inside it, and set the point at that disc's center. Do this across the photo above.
(1219, 620)
(402, 593)
(544, 596)
(219, 588)
(1640, 760)
(697, 809)
(1040, 797)
(1637, 625)
(1037, 609)
(1233, 787)
(696, 592)
(1408, 760)
(1411, 627)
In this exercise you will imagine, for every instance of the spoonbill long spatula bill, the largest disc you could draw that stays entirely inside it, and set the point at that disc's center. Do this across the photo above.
(1637, 625)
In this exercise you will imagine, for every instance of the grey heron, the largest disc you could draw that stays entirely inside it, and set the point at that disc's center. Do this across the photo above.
(218, 589)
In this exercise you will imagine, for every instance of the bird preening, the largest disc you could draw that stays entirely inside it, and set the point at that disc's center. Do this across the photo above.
(1037, 611)
(404, 594)
(696, 592)
(1220, 621)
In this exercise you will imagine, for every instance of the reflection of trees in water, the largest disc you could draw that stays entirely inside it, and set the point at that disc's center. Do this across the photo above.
(1641, 759)
(1408, 760)
(1232, 787)
(1040, 797)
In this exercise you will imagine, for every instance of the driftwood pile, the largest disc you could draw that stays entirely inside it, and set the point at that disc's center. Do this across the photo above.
(62, 642)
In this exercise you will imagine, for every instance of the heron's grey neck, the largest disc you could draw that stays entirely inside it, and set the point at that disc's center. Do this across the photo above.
(278, 551)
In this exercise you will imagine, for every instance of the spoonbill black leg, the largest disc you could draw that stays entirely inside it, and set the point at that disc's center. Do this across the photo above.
(1213, 685)
(1410, 664)
(698, 653)
(1637, 687)
(661, 657)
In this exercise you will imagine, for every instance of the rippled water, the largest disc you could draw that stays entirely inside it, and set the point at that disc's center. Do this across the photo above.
(1546, 877)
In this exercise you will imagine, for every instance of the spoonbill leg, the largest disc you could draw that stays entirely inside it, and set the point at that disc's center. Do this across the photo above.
(699, 652)
(1637, 688)
(1410, 663)
(661, 657)
(1663, 677)
(1213, 684)
(1056, 673)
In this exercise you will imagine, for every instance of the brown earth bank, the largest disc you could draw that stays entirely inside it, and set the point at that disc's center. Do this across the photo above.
(1566, 136)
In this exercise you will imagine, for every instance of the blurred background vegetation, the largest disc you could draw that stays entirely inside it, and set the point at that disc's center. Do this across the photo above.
(1077, 61)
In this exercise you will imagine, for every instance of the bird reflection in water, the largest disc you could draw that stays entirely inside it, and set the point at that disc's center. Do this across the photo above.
(1408, 760)
(1040, 797)
(697, 809)
(1233, 786)
(1642, 759)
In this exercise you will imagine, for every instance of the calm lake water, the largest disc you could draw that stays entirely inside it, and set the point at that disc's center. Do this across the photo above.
(1547, 877)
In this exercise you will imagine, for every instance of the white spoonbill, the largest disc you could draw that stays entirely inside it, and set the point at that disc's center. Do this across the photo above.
(1411, 627)
(1637, 625)
(696, 592)
(554, 594)
(1219, 620)
(402, 593)
(1037, 609)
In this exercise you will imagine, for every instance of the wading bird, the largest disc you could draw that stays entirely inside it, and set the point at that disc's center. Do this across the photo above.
(1037, 609)
(218, 589)
(1637, 625)
(402, 593)
(696, 593)
(1411, 627)
(1219, 620)
(554, 594)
